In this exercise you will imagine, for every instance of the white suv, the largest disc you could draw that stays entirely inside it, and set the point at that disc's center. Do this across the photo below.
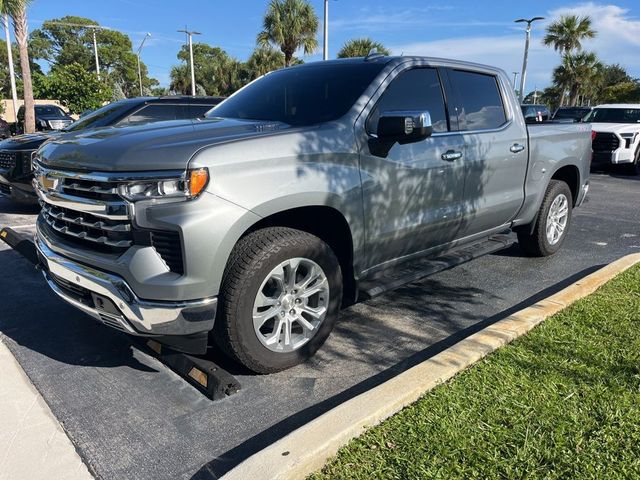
(616, 135)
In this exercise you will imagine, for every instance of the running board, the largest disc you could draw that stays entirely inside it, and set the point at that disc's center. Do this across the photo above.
(405, 273)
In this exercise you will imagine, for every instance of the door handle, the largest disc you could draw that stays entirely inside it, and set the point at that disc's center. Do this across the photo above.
(451, 155)
(516, 148)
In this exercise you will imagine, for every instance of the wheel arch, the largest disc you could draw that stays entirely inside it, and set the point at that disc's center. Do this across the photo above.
(326, 223)
(569, 174)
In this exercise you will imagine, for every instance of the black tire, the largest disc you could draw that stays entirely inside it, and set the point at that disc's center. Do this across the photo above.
(535, 243)
(251, 261)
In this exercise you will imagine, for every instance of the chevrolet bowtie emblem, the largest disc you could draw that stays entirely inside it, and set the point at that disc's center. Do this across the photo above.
(48, 182)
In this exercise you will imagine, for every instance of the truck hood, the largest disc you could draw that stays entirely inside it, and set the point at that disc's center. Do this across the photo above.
(29, 141)
(156, 146)
(616, 127)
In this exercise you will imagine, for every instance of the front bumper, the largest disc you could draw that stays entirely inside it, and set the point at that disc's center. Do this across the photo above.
(109, 299)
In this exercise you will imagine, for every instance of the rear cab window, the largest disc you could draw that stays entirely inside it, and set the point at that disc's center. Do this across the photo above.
(475, 100)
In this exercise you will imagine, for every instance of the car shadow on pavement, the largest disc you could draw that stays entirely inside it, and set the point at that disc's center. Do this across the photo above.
(34, 318)
(8, 206)
(225, 462)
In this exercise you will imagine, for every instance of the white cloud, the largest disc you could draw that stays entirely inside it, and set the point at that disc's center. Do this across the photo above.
(618, 41)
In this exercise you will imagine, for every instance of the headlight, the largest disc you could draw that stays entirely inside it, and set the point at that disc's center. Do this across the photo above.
(187, 186)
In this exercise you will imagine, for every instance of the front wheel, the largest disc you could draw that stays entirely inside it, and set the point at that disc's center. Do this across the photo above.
(280, 299)
(552, 225)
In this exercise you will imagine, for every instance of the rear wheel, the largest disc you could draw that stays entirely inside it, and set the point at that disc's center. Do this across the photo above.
(280, 298)
(552, 224)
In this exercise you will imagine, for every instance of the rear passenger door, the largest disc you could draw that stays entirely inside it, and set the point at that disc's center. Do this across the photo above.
(412, 197)
(495, 150)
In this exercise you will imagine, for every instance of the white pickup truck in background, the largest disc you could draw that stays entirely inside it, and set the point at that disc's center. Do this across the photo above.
(616, 136)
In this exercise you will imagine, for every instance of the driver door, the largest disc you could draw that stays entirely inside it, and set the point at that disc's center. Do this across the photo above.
(413, 198)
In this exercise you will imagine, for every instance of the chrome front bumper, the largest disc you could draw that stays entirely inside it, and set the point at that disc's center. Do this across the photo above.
(108, 298)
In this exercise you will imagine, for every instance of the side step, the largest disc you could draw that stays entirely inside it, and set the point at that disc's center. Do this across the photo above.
(405, 273)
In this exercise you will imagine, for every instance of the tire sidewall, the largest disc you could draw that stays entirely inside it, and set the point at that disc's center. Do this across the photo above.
(242, 308)
(555, 190)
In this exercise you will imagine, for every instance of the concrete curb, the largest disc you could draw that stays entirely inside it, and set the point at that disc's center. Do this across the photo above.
(306, 449)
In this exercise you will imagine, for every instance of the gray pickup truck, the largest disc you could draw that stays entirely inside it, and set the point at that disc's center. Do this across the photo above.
(252, 227)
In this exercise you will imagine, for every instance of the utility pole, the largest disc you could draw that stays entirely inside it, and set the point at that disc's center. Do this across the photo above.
(95, 52)
(523, 75)
(325, 55)
(193, 75)
(12, 76)
(139, 50)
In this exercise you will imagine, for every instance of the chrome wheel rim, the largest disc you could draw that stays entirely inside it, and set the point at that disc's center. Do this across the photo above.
(290, 305)
(557, 219)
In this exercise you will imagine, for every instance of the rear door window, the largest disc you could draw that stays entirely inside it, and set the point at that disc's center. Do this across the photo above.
(479, 100)
(418, 90)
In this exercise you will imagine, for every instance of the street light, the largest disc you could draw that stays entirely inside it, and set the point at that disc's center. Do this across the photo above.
(325, 53)
(523, 76)
(93, 29)
(139, 50)
(193, 75)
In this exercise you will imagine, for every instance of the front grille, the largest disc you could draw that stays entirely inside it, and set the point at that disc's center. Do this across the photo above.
(169, 247)
(7, 160)
(92, 189)
(5, 189)
(59, 124)
(600, 158)
(85, 227)
(605, 142)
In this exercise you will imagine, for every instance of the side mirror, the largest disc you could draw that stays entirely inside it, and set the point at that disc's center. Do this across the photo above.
(399, 127)
(404, 126)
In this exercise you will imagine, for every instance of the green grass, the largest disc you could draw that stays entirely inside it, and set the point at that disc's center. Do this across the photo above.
(561, 402)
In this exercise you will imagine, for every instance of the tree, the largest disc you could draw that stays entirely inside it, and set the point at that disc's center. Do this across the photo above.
(566, 34)
(290, 25)
(264, 60)
(361, 47)
(575, 72)
(74, 87)
(17, 10)
(215, 71)
(623, 92)
(67, 40)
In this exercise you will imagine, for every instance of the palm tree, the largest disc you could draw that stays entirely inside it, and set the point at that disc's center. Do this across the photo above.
(290, 25)
(576, 72)
(567, 34)
(361, 47)
(17, 10)
(264, 60)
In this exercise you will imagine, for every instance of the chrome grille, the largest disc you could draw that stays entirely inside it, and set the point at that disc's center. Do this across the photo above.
(7, 159)
(97, 190)
(605, 142)
(59, 124)
(87, 227)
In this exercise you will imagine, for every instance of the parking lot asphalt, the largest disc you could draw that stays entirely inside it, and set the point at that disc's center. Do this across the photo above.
(131, 417)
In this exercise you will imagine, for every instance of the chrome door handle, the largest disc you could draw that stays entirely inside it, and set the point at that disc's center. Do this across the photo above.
(451, 155)
(517, 148)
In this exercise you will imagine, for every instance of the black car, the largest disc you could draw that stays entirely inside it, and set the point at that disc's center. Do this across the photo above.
(571, 114)
(16, 152)
(535, 113)
(5, 129)
(48, 117)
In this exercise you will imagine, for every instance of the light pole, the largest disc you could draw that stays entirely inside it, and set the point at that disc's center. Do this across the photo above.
(14, 94)
(523, 76)
(515, 79)
(193, 75)
(139, 50)
(93, 29)
(325, 55)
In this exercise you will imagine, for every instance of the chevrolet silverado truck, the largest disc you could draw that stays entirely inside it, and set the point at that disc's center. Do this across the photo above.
(16, 168)
(616, 136)
(252, 228)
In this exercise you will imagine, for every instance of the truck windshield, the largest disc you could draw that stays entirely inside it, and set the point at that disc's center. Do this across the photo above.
(99, 118)
(614, 115)
(301, 96)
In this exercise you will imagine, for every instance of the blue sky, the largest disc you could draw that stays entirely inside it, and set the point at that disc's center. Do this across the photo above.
(478, 30)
